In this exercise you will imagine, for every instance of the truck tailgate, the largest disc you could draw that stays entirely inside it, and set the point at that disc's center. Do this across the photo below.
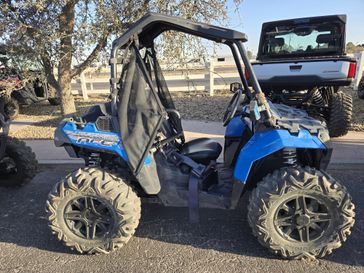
(303, 74)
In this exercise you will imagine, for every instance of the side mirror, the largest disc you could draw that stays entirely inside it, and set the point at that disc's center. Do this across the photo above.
(235, 86)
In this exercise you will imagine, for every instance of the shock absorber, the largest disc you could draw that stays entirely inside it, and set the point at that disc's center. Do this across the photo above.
(289, 157)
(317, 98)
(327, 93)
(316, 101)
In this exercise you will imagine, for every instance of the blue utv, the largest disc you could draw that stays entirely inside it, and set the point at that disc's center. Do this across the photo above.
(134, 148)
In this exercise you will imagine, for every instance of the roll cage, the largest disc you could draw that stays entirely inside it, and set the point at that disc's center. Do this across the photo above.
(137, 82)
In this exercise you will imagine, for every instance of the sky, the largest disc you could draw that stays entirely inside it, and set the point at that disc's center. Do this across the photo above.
(250, 15)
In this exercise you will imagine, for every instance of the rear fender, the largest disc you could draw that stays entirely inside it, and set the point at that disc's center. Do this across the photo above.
(266, 143)
(89, 137)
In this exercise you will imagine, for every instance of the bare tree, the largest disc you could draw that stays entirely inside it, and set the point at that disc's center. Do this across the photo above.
(69, 35)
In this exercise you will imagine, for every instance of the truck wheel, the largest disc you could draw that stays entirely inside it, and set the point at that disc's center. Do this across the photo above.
(12, 108)
(93, 211)
(340, 112)
(19, 165)
(300, 213)
(54, 101)
(361, 89)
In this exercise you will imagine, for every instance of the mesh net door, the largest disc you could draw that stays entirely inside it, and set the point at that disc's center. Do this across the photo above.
(140, 113)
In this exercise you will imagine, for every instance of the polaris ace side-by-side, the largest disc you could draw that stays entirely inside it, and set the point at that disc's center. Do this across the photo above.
(302, 63)
(18, 164)
(134, 148)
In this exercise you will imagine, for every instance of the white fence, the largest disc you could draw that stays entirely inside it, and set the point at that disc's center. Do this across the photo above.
(215, 75)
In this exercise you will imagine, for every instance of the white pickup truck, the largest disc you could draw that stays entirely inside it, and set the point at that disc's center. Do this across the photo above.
(302, 62)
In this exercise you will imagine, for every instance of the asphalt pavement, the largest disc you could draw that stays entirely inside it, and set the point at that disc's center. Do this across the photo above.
(164, 241)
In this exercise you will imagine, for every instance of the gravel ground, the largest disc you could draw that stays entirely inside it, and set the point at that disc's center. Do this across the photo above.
(358, 111)
(164, 240)
(193, 107)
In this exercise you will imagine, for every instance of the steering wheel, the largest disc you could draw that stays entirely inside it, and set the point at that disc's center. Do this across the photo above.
(232, 107)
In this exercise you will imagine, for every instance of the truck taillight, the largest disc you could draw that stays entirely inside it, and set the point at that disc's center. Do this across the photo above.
(352, 70)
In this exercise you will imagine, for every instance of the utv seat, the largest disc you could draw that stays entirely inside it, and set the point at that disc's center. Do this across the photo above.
(201, 150)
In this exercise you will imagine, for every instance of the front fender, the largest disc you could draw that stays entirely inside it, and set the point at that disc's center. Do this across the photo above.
(265, 143)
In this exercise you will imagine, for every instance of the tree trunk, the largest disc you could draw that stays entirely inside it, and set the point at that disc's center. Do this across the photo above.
(66, 25)
(65, 93)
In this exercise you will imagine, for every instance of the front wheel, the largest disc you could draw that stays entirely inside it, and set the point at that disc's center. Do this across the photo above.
(300, 213)
(18, 165)
(12, 108)
(93, 211)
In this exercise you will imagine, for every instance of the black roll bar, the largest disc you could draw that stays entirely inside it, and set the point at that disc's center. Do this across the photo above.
(229, 37)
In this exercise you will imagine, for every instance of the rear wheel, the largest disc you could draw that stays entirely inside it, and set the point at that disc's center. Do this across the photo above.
(300, 213)
(340, 113)
(19, 165)
(54, 101)
(93, 211)
(361, 88)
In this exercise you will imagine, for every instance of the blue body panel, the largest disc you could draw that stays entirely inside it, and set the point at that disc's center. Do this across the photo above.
(265, 143)
(235, 127)
(75, 136)
(90, 137)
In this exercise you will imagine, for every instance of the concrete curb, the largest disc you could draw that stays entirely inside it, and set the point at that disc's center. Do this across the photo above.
(348, 150)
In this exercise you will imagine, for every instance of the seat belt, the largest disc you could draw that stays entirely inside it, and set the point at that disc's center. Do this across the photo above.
(197, 171)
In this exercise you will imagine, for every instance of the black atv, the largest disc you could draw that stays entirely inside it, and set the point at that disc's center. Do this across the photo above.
(18, 164)
(22, 87)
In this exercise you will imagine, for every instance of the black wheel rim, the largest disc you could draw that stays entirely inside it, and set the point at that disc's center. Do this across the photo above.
(8, 167)
(89, 217)
(302, 219)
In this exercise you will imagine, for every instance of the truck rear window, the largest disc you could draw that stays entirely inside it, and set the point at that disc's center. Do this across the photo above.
(302, 40)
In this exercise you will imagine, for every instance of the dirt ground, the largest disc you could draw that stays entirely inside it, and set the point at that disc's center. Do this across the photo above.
(192, 107)
(357, 123)
(47, 117)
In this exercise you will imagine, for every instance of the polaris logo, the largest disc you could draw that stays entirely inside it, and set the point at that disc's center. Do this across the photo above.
(93, 138)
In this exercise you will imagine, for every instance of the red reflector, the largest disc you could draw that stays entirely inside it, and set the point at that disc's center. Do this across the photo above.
(352, 70)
